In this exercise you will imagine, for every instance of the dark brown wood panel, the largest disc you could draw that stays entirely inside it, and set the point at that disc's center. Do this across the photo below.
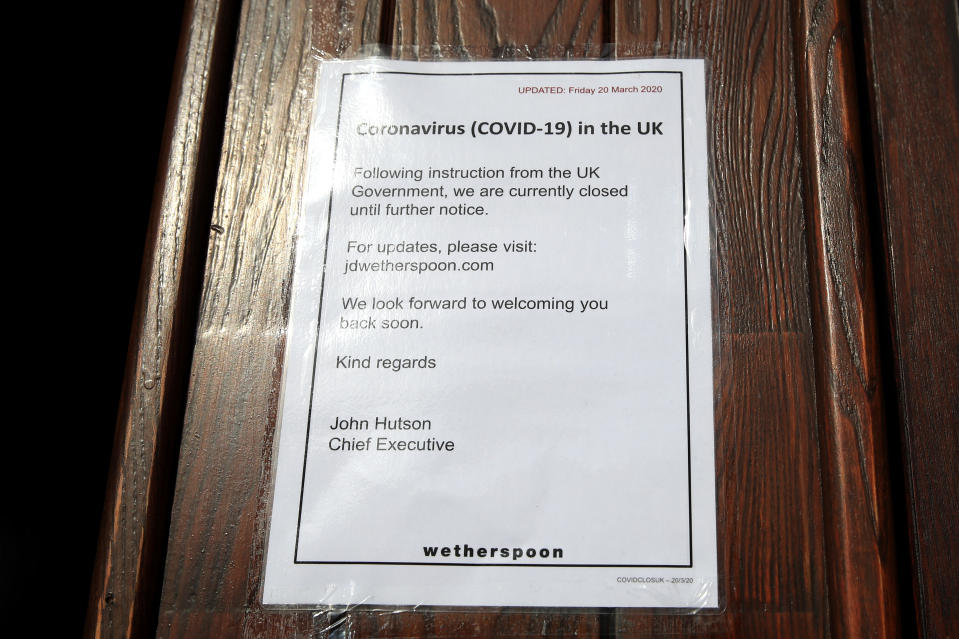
(128, 571)
(858, 517)
(770, 518)
(804, 519)
(642, 28)
(215, 554)
(464, 29)
(773, 579)
(912, 66)
(491, 624)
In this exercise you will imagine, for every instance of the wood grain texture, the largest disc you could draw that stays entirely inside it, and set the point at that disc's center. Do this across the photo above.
(499, 29)
(861, 549)
(128, 571)
(451, 624)
(771, 554)
(800, 480)
(344, 29)
(770, 522)
(216, 544)
(912, 65)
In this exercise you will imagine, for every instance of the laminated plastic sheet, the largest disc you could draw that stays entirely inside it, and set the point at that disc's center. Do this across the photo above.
(498, 386)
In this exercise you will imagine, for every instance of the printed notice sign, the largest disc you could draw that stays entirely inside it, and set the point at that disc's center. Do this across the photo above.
(497, 388)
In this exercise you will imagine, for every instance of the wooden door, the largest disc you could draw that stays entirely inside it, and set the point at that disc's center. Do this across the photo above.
(806, 478)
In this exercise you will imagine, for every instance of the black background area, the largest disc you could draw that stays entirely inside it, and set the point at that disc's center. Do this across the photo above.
(92, 83)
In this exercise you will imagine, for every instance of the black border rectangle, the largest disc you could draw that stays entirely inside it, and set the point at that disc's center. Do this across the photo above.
(682, 106)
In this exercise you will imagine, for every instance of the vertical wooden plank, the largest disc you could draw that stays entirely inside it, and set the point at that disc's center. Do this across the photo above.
(771, 558)
(912, 66)
(216, 544)
(125, 591)
(858, 515)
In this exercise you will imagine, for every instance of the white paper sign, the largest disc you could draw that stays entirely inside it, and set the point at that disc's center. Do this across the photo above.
(498, 379)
